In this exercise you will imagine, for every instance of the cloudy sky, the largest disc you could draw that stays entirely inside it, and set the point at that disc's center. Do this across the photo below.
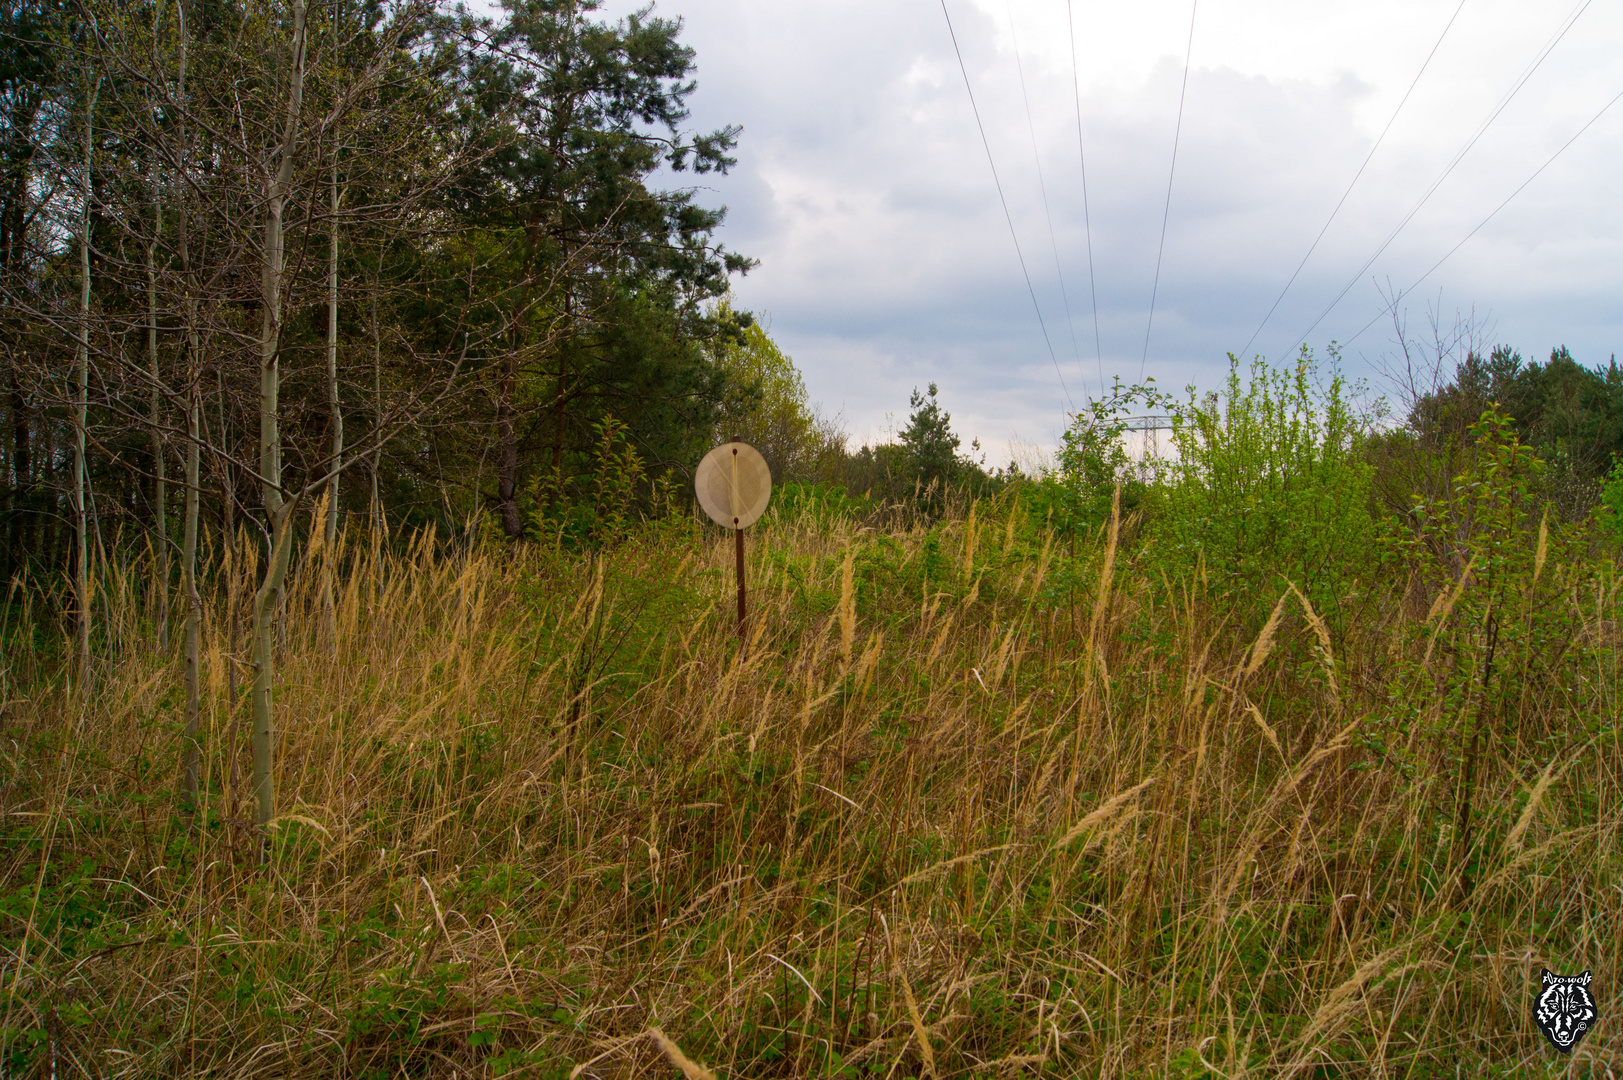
(887, 262)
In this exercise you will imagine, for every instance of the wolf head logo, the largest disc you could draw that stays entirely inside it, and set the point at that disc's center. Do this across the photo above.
(1564, 1010)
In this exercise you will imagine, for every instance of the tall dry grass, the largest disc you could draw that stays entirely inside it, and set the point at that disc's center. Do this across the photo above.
(958, 809)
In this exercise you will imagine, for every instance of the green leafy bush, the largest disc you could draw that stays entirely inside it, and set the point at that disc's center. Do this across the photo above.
(1079, 492)
(609, 505)
(822, 503)
(1265, 482)
(1609, 514)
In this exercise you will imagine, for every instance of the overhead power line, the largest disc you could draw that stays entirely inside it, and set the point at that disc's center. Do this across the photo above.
(1087, 221)
(1166, 210)
(1342, 201)
(1592, 120)
(1006, 215)
(1460, 156)
(1042, 184)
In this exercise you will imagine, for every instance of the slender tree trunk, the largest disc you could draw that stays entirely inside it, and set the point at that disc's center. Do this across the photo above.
(560, 405)
(559, 417)
(13, 486)
(194, 426)
(16, 502)
(264, 633)
(188, 576)
(160, 494)
(228, 543)
(379, 521)
(278, 510)
(507, 437)
(22, 472)
(334, 407)
(19, 503)
(81, 410)
(54, 549)
(333, 403)
(378, 524)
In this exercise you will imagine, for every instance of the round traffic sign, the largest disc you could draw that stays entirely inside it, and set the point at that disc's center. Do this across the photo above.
(733, 484)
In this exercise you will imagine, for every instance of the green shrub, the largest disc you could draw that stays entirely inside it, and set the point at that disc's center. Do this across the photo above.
(1609, 514)
(1078, 493)
(608, 504)
(1265, 482)
(822, 503)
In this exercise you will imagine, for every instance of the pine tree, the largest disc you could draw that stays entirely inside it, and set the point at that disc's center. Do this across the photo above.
(932, 448)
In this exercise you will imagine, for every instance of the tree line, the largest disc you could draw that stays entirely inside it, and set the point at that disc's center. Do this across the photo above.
(270, 269)
(270, 264)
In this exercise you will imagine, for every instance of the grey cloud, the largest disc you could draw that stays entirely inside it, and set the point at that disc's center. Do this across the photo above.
(886, 262)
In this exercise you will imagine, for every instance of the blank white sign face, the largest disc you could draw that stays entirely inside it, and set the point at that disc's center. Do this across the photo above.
(733, 484)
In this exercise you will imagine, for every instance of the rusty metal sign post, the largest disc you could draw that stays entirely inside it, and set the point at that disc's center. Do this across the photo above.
(734, 485)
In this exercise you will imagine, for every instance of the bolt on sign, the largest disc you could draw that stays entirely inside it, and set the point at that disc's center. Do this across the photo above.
(734, 485)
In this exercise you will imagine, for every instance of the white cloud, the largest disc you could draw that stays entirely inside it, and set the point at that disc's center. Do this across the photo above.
(886, 262)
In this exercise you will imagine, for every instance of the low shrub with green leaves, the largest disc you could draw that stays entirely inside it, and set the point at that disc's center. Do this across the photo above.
(1265, 481)
(1093, 475)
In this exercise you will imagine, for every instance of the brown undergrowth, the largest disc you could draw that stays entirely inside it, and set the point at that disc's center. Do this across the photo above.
(958, 809)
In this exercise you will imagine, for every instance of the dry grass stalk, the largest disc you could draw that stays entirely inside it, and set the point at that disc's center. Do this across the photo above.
(531, 804)
(691, 1070)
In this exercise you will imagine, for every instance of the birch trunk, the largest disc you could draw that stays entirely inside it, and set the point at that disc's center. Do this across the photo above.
(81, 410)
(378, 523)
(194, 425)
(188, 569)
(333, 406)
(229, 546)
(507, 437)
(278, 510)
(22, 471)
(160, 493)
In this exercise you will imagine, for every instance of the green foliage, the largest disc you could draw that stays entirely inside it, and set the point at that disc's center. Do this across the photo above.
(879, 472)
(1609, 514)
(770, 409)
(557, 773)
(575, 288)
(612, 499)
(619, 472)
(825, 503)
(1496, 562)
(1078, 494)
(1266, 482)
(922, 473)
(1570, 415)
(930, 443)
(970, 758)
